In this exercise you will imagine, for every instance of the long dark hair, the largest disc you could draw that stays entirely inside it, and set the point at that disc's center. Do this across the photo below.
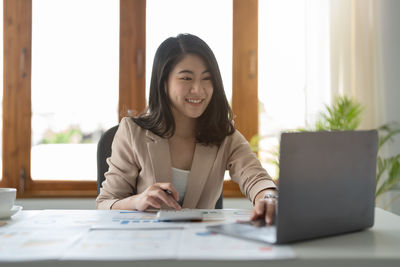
(216, 121)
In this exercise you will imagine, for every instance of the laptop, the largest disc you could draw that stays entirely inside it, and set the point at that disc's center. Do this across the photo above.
(326, 187)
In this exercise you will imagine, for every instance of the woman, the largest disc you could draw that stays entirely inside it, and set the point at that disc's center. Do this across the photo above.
(177, 152)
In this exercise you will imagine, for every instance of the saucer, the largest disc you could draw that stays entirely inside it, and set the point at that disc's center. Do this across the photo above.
(8, 213)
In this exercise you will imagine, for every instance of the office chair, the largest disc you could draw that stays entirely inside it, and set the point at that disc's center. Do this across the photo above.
(104, 152)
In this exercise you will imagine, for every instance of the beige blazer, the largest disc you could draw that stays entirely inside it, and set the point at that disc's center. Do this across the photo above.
(140, 158)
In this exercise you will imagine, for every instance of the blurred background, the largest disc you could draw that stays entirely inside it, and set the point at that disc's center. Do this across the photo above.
(70, 81)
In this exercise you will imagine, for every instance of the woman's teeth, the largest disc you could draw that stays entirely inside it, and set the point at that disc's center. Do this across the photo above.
(195, 101)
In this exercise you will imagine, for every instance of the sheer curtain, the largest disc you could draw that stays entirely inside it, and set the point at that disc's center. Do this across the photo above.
(365, 63)
(355, 57)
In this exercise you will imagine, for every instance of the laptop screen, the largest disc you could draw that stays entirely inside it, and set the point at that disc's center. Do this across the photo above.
(327, 183)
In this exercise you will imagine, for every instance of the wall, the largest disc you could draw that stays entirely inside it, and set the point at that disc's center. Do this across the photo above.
(390, 65)
(389, 54)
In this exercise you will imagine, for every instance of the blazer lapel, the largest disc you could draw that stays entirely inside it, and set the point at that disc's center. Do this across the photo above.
(160, 158)
(203, 160)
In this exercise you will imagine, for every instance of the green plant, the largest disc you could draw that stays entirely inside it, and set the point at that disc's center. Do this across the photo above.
(65, 137)
(255, 147)
(387, 168)
(254, 143)
(345, 114)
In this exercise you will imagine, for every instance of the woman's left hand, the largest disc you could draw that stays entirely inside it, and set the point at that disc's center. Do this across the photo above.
(265, 208)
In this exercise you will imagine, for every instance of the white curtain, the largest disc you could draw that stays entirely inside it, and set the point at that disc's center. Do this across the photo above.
(355, 58)
(365, 63)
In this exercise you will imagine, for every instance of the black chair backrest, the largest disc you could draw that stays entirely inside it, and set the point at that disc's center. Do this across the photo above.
(219, 203)
(104, 152)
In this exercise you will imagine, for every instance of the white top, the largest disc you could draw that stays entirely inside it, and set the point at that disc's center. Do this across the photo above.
(179, 180)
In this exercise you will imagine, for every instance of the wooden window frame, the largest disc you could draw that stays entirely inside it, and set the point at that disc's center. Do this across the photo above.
(17, 89)
(244, 75)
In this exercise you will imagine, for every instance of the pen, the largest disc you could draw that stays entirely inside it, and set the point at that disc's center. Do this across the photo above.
(167, 191)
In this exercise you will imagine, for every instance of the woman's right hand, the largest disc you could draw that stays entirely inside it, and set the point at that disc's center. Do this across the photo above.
(153, 197)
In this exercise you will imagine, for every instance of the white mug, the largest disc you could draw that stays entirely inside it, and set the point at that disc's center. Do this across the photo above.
(7, 198)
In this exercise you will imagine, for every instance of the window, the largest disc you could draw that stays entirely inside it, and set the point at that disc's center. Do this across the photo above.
(57, 90)
(73, 110)
(74, 85)
(293, 68)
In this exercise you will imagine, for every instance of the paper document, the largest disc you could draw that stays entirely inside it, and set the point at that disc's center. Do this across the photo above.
(148, 220)
(64, 218)
(203, 244)
(127, 235)
(185, 244)
(40, 244)
(126, 245)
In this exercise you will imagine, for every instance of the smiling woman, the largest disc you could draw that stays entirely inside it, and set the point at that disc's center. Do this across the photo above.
(189, 87)
(188, 126)
(174, 80)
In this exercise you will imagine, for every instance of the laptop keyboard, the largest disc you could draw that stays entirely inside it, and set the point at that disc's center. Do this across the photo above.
(248, 230)
(181, 215)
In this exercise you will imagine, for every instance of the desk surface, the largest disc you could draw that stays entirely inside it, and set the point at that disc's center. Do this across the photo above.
(378, 245)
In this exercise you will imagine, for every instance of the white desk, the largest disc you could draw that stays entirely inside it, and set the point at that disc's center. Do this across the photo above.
(378, 246)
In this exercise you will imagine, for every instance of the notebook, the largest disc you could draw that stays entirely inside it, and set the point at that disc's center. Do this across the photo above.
(326, 187)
